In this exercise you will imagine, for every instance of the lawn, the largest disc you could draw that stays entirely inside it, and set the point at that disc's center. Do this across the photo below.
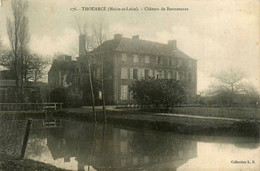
(227, 112)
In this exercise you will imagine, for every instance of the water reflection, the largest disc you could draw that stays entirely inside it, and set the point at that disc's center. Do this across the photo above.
(81, 146)
(113, 148)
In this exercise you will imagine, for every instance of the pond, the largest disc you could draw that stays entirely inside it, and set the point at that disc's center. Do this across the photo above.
(77, 145)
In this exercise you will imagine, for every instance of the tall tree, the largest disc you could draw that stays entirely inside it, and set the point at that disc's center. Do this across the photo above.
(18, 33)
(82, 28)
(35, 67)
(100, 30)
(229, 82)
(95, 35)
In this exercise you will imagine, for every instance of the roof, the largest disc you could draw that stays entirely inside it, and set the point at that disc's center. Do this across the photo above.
(6, 75)
(62, 65)
(140, 47)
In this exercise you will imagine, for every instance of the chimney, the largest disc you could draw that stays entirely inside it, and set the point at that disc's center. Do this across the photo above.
(135, 37)
(118, 36)
(82, 45)
(172, 44)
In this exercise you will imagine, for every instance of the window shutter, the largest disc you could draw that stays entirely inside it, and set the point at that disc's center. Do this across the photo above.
(131, 73)
(122, 73)
(139, 74)
(155, 73)
(122, 92)
(168, 74)
(150, 73)
(173, 75)
(163, 75)
(126, 92)
(143, 74)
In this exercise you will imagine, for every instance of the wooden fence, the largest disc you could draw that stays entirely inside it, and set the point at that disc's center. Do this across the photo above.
(29, 106)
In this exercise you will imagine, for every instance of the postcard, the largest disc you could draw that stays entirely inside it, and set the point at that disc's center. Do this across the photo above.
(129, 85)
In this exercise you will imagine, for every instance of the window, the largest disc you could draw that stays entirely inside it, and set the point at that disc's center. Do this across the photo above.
(169, 75)
(183, 76)
(123, 146)
(147, 59)
(140, 73)
(146, 73)
(159, 74)
(136, 58)
(2, 96)
(124, 73)
(124, 92)
(124, 57)
(177, 75)
(77, 70)
(173, 75)
(135, 73)
(99, 94)
(150, 73)
(156, 74)
(159, 60)
(162, 75)
(78, 80)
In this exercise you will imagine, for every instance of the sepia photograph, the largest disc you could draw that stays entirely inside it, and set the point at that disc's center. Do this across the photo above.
(160, 85)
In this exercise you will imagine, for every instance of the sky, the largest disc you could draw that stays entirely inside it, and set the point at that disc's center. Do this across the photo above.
(218, 34)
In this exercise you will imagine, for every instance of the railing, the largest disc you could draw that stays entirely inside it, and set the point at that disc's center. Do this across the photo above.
(29, 106)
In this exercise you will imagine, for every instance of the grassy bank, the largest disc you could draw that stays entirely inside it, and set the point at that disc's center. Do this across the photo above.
(227, 112)
(185, 120)
(11, 163)
(167, 122)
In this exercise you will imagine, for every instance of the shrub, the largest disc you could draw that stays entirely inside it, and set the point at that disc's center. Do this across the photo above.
(158, 92)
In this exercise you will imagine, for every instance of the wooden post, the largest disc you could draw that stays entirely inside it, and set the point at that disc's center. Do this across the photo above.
(26, 137)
